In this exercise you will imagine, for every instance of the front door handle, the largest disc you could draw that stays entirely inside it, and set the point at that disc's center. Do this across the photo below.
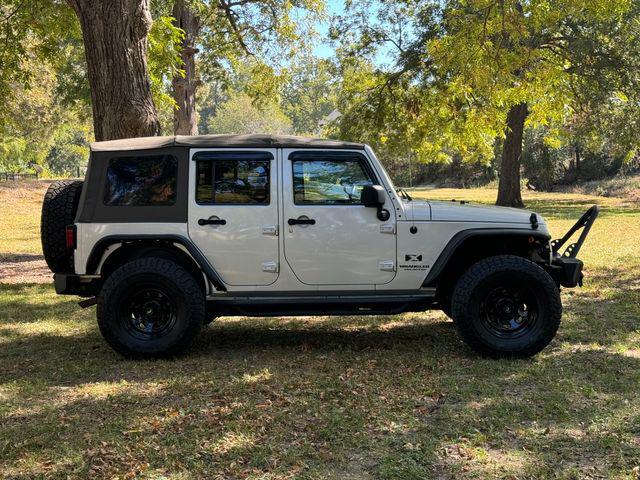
(212, 221)
(301, 221)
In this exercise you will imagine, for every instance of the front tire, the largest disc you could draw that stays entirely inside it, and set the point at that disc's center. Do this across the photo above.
(506, 307)
(150, 307)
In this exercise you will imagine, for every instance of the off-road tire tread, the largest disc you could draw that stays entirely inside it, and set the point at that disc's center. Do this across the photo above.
(480, 271)
(185, 282)
(59, 210)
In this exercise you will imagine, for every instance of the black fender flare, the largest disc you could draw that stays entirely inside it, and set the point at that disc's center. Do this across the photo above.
(99, 248)
(463, 236)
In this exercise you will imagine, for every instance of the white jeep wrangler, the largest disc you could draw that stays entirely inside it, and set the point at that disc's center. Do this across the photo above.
(166, 233)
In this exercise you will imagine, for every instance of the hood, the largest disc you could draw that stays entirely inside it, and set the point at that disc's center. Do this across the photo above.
(459, 212)
(417, 210)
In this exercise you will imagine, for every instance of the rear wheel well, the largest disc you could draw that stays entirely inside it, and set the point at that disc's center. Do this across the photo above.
(132, 250)
(478, 247)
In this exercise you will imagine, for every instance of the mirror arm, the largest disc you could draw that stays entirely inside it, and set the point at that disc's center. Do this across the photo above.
(383, 213)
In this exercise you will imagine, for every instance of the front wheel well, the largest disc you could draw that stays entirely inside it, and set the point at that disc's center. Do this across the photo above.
(469, 249)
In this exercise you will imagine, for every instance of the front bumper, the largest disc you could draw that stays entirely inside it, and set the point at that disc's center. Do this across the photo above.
(567, 271)
(565, 267)
(71, 284)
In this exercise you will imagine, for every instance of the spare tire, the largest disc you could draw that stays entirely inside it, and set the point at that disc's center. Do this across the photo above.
(59, 210)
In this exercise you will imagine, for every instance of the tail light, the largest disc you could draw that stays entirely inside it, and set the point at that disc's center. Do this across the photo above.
(71, 236)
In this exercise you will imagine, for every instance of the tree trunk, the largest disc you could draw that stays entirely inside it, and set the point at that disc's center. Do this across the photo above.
(578, 162)
(184, 89)
(509, 194)
(115, 41)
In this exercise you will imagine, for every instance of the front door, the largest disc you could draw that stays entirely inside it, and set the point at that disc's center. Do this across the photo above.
(330, 238)
(233, 213)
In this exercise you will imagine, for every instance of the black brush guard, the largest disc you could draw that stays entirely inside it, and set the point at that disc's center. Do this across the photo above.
(565, 267)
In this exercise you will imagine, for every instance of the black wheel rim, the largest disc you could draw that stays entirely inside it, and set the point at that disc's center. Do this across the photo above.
(148, 312)
(509, 311)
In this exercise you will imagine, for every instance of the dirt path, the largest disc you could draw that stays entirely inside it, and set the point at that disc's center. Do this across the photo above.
(24, 268)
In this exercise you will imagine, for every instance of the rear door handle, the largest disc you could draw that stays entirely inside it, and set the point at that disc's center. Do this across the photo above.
(301, 221)
(212, 221)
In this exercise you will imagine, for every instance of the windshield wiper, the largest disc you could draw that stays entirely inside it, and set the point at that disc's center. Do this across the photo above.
(403, 193)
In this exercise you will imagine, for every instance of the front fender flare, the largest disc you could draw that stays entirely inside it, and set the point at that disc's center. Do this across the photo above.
(463, 236)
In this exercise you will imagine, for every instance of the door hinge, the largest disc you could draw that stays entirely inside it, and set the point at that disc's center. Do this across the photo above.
(270, 230)
(271, 267)
(387, 265)
(388, 228)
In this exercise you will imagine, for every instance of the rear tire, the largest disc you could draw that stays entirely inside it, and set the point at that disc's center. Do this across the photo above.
(59, 210)
(506, 307)
(150, 307)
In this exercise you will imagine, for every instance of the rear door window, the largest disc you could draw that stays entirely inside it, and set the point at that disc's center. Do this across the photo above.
(141, 181)
(233, 178)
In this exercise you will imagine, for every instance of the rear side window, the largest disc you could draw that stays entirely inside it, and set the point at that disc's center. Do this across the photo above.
(142, 181)
(233, 178)
(328, 181)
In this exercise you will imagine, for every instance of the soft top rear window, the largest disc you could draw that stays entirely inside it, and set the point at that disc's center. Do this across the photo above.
(141, 181)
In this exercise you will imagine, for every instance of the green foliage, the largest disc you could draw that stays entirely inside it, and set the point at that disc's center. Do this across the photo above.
(543, 164)
(69, 152)
(31, 32)
(422, 82)
(452, 70)
(42, 83)
(40, 128)
(497, 55)
(240, 115)
(164, 60)
(26, 133)
(15, 155)
(249, 42)
(309, 92)
(269, 31)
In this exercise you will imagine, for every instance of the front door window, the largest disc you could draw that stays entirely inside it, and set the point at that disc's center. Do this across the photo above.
(328, 182)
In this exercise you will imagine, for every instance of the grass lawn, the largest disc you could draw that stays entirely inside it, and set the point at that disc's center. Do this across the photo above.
(338, 397)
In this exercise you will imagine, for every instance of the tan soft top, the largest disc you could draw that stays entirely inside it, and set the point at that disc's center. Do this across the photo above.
(217, 141)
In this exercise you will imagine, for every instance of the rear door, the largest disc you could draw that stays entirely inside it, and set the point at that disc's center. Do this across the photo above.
(330, 238)
(233, 213)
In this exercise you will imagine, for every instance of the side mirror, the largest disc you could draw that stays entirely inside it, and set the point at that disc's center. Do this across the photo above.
(374, 196)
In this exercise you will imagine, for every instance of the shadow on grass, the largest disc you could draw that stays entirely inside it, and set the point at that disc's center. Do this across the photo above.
(382, 397)
(608, 311)
(385, 414)
(34, 302)
(20, 257)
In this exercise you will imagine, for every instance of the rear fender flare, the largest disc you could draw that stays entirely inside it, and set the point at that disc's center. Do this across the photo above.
(95, 259)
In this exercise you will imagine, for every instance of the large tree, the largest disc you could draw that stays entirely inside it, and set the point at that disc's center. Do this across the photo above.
(486, 67)
(115, 34)
(520, 61)
(185, 82)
